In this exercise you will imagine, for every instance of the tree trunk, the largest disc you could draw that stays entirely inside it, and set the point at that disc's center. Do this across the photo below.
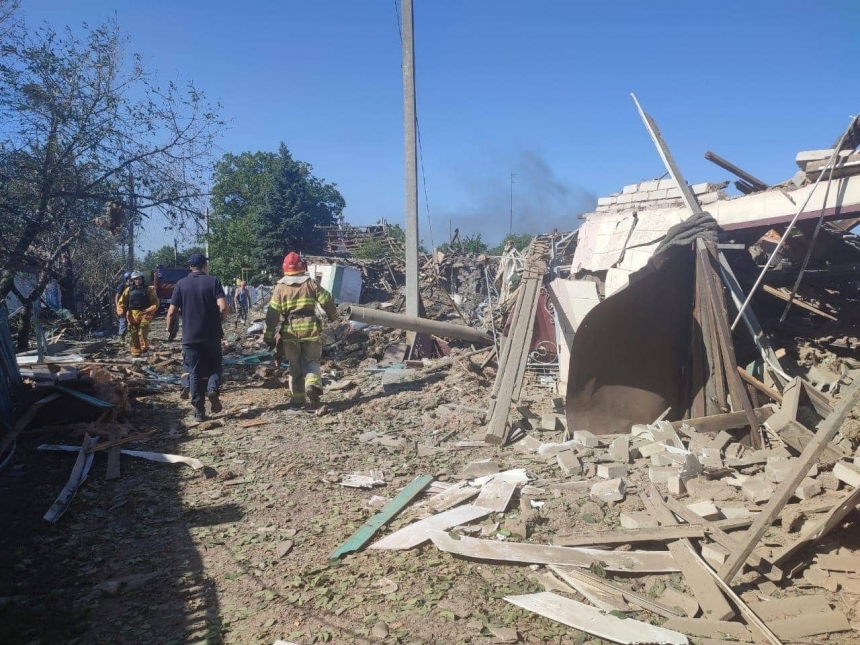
(24, 330)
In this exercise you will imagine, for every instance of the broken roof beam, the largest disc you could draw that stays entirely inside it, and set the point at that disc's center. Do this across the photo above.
(421, 325)
(756, 183)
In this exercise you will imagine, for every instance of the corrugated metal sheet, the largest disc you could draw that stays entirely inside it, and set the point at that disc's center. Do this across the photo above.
(10, 376)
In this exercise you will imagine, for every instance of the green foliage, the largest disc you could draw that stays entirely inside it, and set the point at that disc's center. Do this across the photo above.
(265, 204)
(474, 244)
(371, 249)
(166, 257)
(519, 240)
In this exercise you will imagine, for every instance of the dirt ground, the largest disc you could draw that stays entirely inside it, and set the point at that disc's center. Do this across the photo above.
(238, 552)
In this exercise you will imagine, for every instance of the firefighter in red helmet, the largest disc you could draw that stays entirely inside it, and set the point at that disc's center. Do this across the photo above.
(292, 325)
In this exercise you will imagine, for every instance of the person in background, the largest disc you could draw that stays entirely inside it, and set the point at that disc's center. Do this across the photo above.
(123, 323)
(138, 303)
(199, 298)
(241, 302)
(292, 327)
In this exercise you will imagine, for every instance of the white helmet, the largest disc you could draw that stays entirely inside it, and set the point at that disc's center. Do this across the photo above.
(136, 274)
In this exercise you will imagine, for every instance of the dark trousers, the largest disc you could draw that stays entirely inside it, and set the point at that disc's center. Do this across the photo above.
(201, 367)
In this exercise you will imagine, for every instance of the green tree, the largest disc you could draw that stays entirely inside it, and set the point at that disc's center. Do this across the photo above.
(520, 241)
(265, 204)
(83, 127)
(475, 244)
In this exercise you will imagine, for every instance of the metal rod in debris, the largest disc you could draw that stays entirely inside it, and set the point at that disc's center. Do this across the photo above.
(414, 323)
(786, 233)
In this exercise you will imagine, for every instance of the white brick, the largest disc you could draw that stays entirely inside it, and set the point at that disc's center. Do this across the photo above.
(658, 194)
(778, 469)
(715, 554)
(638, 520)
(550, 421)
(585, 438)
(663, 459)
(705, 509)
(807, 489)
(629, 189)
(710, 198)
(705, 187)
(654, 184)
(611, 471)
(813, 472)
(757, 490)
(666, 183)
(676, 485)
(569, 462)
(673, 192)
(619, 449)
(611, 490)
(602, 209)
(651, 449)
(847, 473)
(605, 201)
(624, 199)
(640, 197)
(661, 474)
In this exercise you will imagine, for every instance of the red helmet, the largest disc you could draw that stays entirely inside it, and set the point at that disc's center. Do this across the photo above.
(293, 264)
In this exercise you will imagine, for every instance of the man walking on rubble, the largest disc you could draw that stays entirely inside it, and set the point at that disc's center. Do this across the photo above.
(200, 300)
(123, 323)
(292, 326)
(138, 303)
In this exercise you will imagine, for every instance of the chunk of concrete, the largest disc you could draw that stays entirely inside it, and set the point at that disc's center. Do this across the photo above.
(569, 462)
(611, 471)
(737, 512)
(705, 509)
(661, 474)
(550, 421)
(829, 481)
(676, 485)
(734, 451)
(715, 554)
(619, 449)
(585, 438)
(650, 449)
(847, 473)
(807, 489)
(611, 490)
(778, 469)
(663, 459)
(638, 520)
(757, 490)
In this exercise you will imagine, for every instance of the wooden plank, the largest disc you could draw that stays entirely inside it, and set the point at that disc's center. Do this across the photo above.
(709, 628)
(594, 621)
(827, 622)
(727, 421)
(78, 476)
(598, 595)
(761, 387)
(628, 536)
(124, 440)
(799, 303)
(843, 563)
(705, 254)
(113, 465)
(253, 423)
(826, 431)
(704, 589)
(821, 528)
(769, 610)
(416, 533)
(369, 528)
(797, 437)
(755, 623)
(763, 566)
(629, 561)
(634, 598)
(496, 494)
(456, 494)
(86, 398)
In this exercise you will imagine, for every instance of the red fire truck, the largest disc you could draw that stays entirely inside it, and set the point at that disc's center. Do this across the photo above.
(164, 279)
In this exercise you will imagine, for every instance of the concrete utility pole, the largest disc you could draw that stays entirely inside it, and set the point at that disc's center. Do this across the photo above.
(207, 232)
(411, 161)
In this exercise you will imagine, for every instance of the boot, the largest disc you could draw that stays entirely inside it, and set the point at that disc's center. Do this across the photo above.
(314, 395)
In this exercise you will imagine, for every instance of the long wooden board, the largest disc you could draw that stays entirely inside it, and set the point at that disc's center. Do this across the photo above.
(594, 621)
(369, 528)
(627, 536)
(414, 534)
(626, 561)
(699, 581)
(496, 494)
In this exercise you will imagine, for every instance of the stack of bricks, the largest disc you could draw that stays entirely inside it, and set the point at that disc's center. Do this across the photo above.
(656, 194)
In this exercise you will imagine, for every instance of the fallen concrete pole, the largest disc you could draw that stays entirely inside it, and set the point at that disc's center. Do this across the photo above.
(411, 323)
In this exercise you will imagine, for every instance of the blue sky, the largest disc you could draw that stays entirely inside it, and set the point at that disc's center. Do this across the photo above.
(538, 88)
